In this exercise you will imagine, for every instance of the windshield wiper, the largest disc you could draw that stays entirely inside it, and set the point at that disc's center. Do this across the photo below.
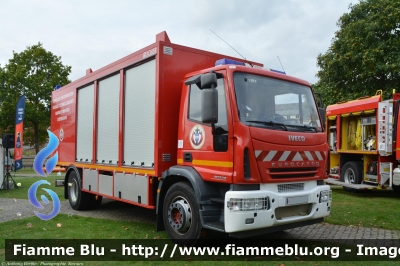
(269, 123)
(304, 127)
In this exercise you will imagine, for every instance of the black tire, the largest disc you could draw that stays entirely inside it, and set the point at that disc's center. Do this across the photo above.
(78, 199)
(351, 173)
(181, 215)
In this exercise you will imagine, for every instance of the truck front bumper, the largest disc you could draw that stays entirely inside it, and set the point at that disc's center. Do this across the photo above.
(273, 206)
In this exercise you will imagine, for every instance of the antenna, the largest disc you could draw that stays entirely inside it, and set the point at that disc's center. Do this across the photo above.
(233, 48)
(281, 64)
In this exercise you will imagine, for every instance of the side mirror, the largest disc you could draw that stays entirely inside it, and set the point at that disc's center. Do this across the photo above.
(208, 81)
(209, 106)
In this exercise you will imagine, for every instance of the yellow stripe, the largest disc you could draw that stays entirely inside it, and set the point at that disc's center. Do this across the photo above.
(209, 163)
(110, 168)
(332, 117)
(213, 163)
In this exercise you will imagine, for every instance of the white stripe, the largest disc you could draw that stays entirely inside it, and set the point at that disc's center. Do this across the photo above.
(309, 156)
(269, 156)
(297, 157)
(256, 153)
(284, 156)
(318, 155)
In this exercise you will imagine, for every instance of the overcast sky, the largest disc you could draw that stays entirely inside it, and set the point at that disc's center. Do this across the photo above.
(92, 34)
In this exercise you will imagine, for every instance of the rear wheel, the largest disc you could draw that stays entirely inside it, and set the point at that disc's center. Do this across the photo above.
(351, 173)
(78, 199)
(181, 215)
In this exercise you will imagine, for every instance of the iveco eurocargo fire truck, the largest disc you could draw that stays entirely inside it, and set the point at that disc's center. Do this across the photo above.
(206, 140)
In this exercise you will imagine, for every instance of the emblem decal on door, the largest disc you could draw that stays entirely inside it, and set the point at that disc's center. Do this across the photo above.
(197, 137)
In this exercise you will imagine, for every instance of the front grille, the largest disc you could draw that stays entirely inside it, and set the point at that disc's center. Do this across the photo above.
(290, 187)
(293, 172)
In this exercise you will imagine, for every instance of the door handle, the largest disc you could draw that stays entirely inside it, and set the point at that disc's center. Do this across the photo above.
(187, 157)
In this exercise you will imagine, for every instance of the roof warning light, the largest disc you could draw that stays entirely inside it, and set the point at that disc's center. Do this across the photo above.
(226, 61)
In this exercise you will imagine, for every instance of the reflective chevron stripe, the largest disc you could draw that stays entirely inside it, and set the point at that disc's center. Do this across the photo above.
(282, 156)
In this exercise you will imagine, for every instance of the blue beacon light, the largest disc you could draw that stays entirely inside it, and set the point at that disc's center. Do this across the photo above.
(226, 61)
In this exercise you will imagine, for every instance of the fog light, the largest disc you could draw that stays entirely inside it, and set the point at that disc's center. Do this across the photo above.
(248, 204)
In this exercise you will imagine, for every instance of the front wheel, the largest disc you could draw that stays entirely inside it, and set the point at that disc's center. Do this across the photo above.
(181, 214)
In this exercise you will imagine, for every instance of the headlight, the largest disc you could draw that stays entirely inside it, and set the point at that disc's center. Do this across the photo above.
(325, 196)
(248, 204)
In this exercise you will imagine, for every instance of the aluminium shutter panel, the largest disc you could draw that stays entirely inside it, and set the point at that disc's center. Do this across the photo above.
(84, 136)
(139, 124)
(108, 120)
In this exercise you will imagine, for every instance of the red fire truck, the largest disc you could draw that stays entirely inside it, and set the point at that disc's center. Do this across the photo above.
(208, 141)
(362, 137)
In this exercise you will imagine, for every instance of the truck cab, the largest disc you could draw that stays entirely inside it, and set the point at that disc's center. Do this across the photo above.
(254, 150)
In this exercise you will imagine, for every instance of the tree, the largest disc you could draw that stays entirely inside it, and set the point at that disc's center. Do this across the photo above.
(365, 53)
(34, 72)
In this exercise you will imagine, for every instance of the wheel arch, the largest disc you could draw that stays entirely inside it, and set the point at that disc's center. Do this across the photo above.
(203, 190)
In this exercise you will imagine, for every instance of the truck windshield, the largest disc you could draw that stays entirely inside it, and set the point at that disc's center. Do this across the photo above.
(276, 104)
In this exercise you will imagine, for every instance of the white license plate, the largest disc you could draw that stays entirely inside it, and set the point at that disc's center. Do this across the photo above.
(296, 200)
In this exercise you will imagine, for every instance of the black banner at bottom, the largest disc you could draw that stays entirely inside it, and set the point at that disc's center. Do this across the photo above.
(204, 250)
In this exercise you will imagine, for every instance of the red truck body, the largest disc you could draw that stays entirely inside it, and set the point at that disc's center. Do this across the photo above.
(133, 131)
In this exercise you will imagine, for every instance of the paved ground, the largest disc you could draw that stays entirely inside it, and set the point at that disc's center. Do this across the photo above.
(9, 209)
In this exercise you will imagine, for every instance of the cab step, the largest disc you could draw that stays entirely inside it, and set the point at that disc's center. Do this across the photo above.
(216, 225)
(217, 200)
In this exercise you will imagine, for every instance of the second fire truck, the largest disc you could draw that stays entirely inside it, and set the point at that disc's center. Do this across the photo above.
(364, 151)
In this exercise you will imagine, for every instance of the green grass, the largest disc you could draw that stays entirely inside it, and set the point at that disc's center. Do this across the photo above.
(27, 170)
(376, 208)
(76, 227)
(22, 191)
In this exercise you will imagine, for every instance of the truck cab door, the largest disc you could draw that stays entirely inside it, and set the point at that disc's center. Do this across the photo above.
(209, 151)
